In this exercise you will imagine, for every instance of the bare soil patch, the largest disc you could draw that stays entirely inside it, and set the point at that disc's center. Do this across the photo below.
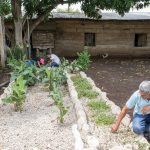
(119, 77)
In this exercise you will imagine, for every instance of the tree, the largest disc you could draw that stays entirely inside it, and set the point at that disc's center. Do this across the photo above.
(4, 10)
(2, 53)
(25, 10)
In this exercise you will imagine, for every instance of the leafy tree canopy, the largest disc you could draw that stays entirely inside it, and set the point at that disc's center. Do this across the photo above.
(90, 7)
(4, 7)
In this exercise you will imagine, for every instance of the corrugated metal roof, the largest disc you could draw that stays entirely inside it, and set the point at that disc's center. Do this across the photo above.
(105, 16)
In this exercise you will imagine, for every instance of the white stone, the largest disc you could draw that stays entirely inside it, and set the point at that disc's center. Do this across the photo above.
(78, 141)
(115, 109)
(93, 142)
(126, 121)
(128, 146)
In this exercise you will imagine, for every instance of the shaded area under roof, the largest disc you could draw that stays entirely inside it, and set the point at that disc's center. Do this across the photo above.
(105, 16)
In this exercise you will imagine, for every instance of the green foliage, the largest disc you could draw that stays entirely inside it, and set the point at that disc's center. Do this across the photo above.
(41, 74)
(83, 60)
(104, 119)
(83, 87)
(101, 112)
(56, 77)
(79, 64)
(69, 66)
(92, 8)
(19, 67)
(98, 105)
(18, 93)
(16, 53)
(58, 98)
(4, 7)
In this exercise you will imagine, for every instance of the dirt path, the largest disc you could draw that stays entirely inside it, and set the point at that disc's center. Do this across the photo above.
(36, 127)
(118, 77)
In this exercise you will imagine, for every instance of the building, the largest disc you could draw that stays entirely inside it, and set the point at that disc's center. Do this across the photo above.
(68, 33)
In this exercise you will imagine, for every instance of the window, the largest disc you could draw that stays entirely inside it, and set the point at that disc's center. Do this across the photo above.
(89, 39)
(140, 40)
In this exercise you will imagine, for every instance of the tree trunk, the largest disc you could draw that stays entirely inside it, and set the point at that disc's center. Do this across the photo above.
(3, 58)
(17, 15)
(18, 33)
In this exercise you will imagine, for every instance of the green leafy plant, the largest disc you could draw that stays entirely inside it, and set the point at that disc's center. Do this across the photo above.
(57, 76)
(83, 87)
(58, 98)
(18, 93)
(19, 67)
(81, 63)
(83, 60)
(16, 53)
(101, 112)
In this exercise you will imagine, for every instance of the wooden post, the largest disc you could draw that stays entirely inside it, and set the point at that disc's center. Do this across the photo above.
(2, 52)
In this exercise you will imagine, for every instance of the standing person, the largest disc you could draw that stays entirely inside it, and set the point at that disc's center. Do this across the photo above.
(140, 101)
(55, 61)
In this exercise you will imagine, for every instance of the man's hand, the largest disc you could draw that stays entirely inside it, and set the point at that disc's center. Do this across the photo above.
(114, 128)
(145, 109)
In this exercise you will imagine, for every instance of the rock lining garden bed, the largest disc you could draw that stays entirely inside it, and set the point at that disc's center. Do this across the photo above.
(37, 126)
(124, 139)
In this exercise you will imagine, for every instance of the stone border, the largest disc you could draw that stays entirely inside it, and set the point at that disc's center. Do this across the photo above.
(90, 142)
(115, 109)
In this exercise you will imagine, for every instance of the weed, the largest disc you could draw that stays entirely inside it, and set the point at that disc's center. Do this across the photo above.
(83, 87)
(101, 112)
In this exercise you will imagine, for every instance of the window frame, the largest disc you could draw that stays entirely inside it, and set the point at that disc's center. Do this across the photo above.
(89, 39)
(139, 38)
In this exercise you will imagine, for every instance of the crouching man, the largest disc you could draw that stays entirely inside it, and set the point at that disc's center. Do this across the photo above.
(140, 101)
(54, 59)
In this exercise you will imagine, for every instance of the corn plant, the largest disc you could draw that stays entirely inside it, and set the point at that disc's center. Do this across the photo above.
(56, 77)
(58, 98)
(17, 95)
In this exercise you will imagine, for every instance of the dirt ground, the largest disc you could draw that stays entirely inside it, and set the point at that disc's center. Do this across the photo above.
(119, 77)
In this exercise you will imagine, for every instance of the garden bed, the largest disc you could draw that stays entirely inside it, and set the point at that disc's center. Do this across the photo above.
(123, 139)
(37, 126)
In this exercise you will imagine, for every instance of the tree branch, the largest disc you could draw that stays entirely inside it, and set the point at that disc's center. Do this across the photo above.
(24, 19)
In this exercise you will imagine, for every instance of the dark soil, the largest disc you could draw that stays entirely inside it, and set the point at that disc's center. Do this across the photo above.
(119, 78)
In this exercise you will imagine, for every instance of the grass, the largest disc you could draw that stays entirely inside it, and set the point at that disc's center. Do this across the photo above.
(98, 105)
(83, 87)
(101, 112)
